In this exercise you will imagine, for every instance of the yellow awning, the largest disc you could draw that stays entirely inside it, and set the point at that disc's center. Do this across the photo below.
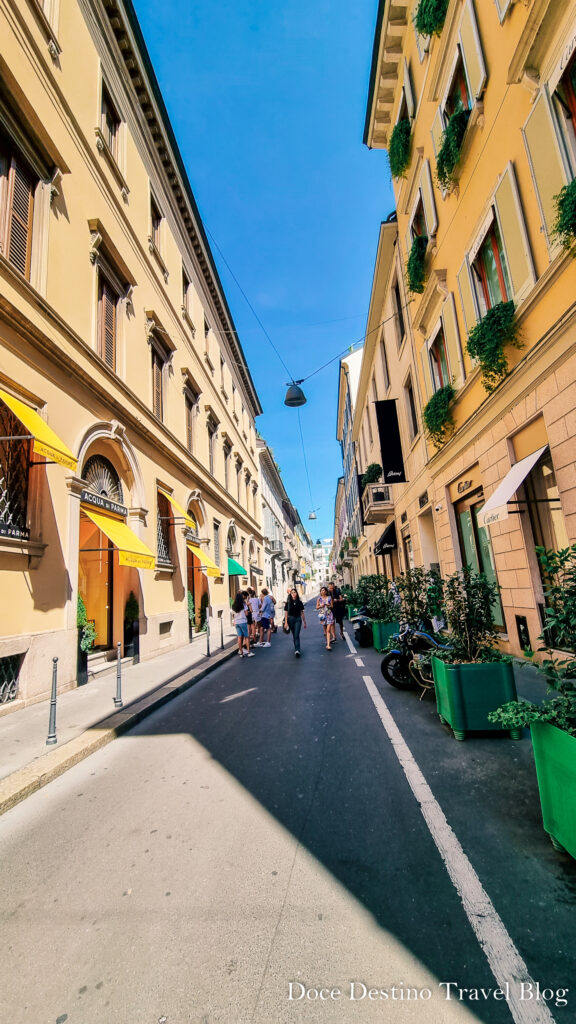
(131, 550)
(187, 519)
(46, 442)
(205, 561)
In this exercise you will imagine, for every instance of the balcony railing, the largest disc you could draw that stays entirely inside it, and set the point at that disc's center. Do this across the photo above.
(377, 503)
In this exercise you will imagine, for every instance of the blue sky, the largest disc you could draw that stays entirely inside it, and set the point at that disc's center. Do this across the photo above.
(268, 103)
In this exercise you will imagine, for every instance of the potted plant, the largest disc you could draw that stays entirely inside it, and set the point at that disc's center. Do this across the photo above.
(373, 474)
(399, 147)
(430, 17)
(132, 628)
(450, 147)
(472, 678)
(553, 722)
(383, 606)
(438, 417)
(87, 636)
(419, 594)
(190, 603)
(487, 340)
(416, 265)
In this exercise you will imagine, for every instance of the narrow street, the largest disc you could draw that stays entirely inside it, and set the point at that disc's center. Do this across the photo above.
(258, 839)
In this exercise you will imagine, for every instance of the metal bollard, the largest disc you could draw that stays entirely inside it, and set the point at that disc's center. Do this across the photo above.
(207, 636)
(221, 630)
(51, 738)
(118, 702)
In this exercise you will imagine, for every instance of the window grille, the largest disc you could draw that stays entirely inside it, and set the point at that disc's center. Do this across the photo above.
(14, 463)
(9, 673)
(102, 478)
(163, 530)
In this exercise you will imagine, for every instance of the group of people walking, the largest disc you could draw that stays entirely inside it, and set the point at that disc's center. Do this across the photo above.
(254, 617)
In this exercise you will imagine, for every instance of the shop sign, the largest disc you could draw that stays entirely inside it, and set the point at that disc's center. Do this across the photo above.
(390, 442)
(464, 485)
(99, 501)
(18, 532)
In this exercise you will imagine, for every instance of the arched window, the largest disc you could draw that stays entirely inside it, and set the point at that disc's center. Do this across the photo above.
(102, 478)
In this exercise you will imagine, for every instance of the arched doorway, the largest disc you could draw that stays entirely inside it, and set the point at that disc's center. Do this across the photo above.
(198, 595)
(96, 561)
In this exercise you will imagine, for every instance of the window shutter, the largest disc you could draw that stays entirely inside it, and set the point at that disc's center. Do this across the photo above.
(452, 339)
(427, 375)
(156, 384)
(108, 301)
(472, 51)
(467, 298)
(514, 237)
(189, 412)
(428, 199)
(549, 171)
(502, 6)
(408, 91)
(19, 218)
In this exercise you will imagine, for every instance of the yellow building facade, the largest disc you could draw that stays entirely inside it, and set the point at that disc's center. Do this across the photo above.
(488, 100)
(128, 457)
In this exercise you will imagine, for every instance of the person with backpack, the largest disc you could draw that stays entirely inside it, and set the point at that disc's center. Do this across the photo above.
(239, 612)
(294, 618)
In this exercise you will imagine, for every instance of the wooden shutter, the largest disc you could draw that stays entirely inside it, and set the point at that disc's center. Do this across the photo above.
(157, 365)
(437, 131)
(108, 305)
(19, 217)
(514, 237)
(467, 298)
(426, 372)
(189, 414)
(408, 91)
(472, 51)
(547, 164)
(452, 339)
(428, 200)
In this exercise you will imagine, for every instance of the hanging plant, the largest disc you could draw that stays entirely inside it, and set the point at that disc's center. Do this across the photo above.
(430, 17)
(399, 147)
(450, 147)
(487, 340)
(565, 224)
(372, 475)
(438, 415)
(415, 268)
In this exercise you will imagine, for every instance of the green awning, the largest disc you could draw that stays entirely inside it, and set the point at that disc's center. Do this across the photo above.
(235, 569)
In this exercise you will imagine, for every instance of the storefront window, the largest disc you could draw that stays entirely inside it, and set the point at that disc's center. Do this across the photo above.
(476, 546)
(546, 518)
(14, 471)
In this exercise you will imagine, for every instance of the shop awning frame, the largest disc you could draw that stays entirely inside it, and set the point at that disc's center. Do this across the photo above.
(388, 537)
(235, 569)
(132, 551)
(45, 441)
(206, 562)
(182, 514)
(496, 508)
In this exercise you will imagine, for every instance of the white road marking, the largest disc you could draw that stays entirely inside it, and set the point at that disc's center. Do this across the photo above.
(234, 696)
(504, 960)
(351, 647)
(359, 662)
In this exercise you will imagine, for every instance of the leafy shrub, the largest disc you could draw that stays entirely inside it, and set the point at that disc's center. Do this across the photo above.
(131, 608)
(381, 601)
(469, 599)
(437, 415)
(487, 340)
(190, 602)
(430, 17)
(565, 224)
(399, 147)
(415, 268)
(450, 146)
(88, 635)
(372, 475)
(420, 593)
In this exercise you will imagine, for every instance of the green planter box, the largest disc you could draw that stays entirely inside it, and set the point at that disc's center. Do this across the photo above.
(350, 610)
(466, 693)
(555, 757)
(382, 631)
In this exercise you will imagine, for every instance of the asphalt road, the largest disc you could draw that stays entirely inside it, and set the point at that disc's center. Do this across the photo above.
(255, 852)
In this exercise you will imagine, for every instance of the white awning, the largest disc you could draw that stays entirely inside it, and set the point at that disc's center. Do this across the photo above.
(496, 508)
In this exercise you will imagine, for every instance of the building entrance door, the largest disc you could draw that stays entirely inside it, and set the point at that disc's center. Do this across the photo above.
(96, 581)
(476, 546)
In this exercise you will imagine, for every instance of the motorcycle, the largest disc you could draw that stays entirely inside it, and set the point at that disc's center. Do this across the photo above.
(362, 626)
(409, 663)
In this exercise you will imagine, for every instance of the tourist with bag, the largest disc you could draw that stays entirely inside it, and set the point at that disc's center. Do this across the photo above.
(294, 618)
(326, 615)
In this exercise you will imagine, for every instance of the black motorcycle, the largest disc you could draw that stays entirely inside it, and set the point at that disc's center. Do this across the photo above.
(409, 663)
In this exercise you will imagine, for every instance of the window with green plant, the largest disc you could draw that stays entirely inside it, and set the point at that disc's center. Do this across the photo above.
(430, 17)
(488, 339)
(372, 475)
(399, 148)
(87, 631)
(450, 147)
(437, 414)
(416, 265)
(564, 227)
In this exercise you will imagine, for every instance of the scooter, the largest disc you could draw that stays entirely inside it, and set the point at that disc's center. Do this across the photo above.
(362, 626)
(409, 664)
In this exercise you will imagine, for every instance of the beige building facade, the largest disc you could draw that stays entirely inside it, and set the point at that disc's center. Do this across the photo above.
(128, 460)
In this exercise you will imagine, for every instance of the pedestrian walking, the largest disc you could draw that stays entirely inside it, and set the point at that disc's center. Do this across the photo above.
(273, 626)
(239, 610)
(326, 615)
(254, 605)
(266, 614)
(294, 618)
(338, 607)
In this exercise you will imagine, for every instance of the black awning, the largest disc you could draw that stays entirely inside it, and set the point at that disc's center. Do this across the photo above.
(387, 541)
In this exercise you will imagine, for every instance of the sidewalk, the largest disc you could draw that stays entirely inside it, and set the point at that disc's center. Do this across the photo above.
(86, 718)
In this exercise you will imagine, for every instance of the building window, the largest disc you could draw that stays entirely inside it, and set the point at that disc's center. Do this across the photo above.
(216, 530)
(14, 474)
(155, 224)
(238, 479)
(211, 427)
(545, 511)
(206, 329)
(190, 404)
(439, 361)
(185, 291)
(458, 97)
(159, 361)
(17, 190)
(384, 361)
(108, 299)
(490, 271)
(397, 306)
(411, 408)
(227, 457)
(476, 545)
(565, 104)
(164, 529)
(110, 123)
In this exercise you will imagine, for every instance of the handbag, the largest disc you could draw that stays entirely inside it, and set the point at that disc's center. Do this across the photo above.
(285, 628)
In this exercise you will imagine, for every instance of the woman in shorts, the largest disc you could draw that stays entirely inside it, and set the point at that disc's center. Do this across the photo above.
(239, 612)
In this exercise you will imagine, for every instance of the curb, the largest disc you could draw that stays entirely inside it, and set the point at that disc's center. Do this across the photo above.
(22, 783)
